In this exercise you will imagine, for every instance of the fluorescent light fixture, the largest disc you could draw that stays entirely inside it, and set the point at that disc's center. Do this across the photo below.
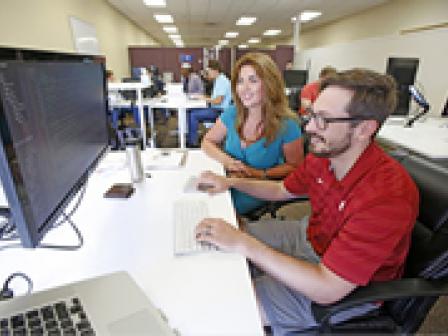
(163, 18)
(309, 15)
(231, 34)
(155, 3)
(223, 42)
(272, 32)
(86, 39)
(243, 46)
(179, 43)
(246, 21)
(170, 29)
(253, 40)
(174, 37)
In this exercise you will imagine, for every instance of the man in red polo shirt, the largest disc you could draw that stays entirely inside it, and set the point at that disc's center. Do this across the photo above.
(364, 205)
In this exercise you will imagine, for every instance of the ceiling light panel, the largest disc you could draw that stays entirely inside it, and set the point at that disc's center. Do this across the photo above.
(155, 3)
(163, 18)
(243, 46)
(253, 40)
(272, 32)
(223, 42)
(231, 34)
(170, 29)
(309, 15)
(246, 21)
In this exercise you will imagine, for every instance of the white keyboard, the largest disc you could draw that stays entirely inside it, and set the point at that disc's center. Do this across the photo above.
(187, 215)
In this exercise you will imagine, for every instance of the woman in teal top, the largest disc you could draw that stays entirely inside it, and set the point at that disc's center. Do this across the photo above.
(260, 137)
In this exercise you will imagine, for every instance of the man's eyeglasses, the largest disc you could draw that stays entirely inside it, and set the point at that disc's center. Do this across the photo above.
(322, 122)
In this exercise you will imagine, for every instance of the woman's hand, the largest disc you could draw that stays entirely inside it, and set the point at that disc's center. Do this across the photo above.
(248, 172)
(233, 165)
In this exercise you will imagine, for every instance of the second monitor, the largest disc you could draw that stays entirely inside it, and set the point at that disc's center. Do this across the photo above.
(295, 78)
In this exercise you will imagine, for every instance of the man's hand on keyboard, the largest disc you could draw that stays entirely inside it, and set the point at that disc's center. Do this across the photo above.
(221, 234)
(215, 183)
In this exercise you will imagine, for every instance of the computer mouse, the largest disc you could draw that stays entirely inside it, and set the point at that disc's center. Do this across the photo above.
(204, 186)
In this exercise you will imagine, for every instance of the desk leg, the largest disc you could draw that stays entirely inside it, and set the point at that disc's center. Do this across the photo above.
(142, 116)
(151, 124)
(182, 125)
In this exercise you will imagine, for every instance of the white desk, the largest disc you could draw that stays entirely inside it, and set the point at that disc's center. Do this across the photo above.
(208, 294)
(428, 138)
(181, 104)
(137, 87)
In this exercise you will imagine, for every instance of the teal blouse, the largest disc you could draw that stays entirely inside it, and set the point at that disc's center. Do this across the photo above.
(256, 155)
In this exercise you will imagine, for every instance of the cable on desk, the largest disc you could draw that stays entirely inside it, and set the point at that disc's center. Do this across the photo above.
(67, 247)
(75, 207)
(50, 246)
(8, 229)
(7, 293)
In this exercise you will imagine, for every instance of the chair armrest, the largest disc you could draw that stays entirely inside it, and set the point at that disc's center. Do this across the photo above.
(382, 291)
(272, 207)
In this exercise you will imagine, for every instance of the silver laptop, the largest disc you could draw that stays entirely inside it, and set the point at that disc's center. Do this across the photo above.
(107, 305)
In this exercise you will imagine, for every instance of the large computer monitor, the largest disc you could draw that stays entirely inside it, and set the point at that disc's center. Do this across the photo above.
(404, 71)
(295, 78)
(54, 131)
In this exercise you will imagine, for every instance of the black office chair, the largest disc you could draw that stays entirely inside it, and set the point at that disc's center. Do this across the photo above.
(406, 301)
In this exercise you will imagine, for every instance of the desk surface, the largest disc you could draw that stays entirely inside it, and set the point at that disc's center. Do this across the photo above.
(428, 138)
(207, 294)
(179, 102)
(126, 86)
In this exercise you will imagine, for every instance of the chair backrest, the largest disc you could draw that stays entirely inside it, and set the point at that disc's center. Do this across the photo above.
(428, 255)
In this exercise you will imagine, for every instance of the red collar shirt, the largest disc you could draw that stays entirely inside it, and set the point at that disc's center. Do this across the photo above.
(361, 225)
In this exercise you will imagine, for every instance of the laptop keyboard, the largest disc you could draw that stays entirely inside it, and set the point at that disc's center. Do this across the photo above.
(65, 317)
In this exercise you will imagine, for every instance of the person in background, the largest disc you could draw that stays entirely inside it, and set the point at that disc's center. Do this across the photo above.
(192, 81)
(259, 137)
(310, 91)
(364, 206)
(110, 76)
(289, 65)
(156, 79)
(220, 99)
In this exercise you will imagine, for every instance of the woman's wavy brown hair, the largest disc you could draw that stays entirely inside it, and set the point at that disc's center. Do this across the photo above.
(275, 105)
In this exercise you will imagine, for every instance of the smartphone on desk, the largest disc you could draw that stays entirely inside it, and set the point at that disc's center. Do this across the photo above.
(120, 190)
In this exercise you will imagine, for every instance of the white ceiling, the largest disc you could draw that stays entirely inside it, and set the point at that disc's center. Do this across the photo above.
(204, 22)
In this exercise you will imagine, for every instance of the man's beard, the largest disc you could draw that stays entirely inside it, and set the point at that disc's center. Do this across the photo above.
(333, 149)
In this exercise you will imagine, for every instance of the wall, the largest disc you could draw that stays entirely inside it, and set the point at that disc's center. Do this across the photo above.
(369, 38)
(386, 19)
(44, 24)
(166, 59)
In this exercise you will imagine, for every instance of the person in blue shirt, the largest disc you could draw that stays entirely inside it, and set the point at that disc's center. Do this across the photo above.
(191, 81)
(260, 137)
(220, 99)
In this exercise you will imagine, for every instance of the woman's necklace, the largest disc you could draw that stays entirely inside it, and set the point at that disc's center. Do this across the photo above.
(246, 142)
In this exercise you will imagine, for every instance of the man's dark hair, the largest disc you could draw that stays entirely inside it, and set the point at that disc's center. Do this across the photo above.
(374, 94)
(327, 71)
(109, 74)
(215, 65)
